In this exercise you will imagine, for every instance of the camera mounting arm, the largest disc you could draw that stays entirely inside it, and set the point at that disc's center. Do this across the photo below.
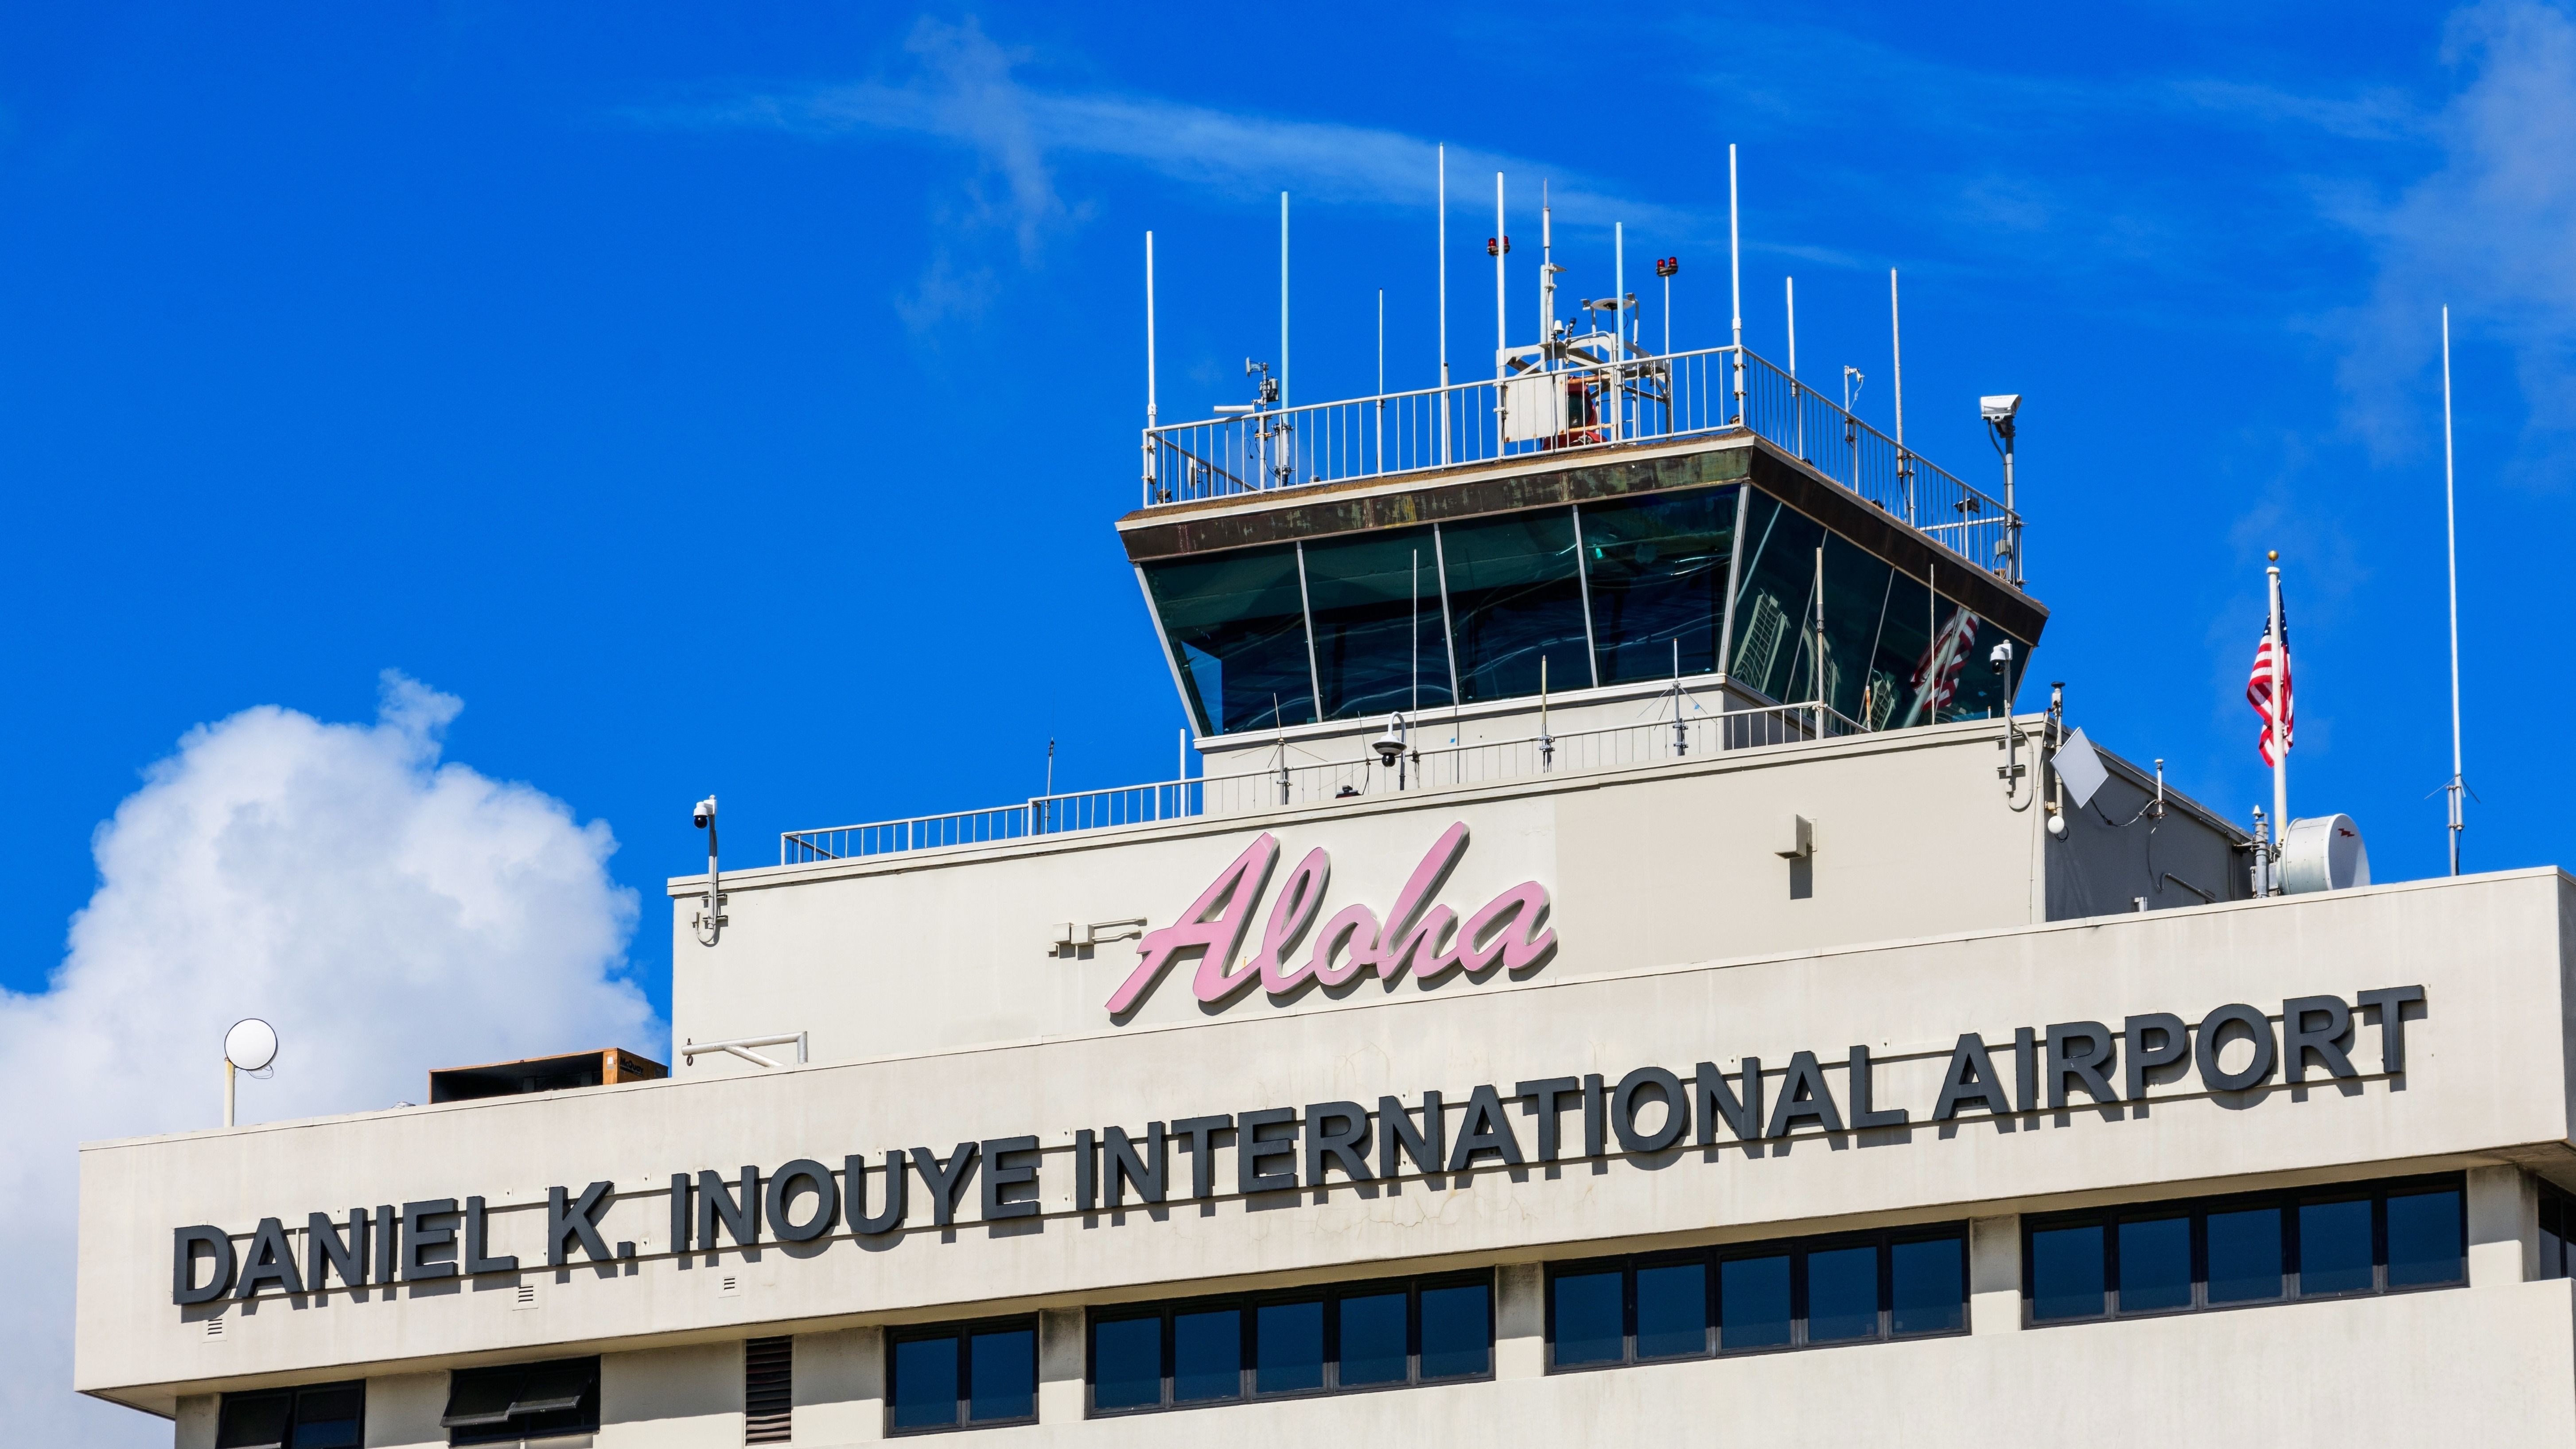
(710, 919)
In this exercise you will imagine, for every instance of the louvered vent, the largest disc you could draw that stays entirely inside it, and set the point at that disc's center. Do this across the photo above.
(768, 1390)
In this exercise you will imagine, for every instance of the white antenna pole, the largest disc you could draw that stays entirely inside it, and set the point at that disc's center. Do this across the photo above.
(1283, 299)
(1444, 304)
(1546, 280)
(1381, 379)
(1791, 284)
(1797, 412)
(1735, 273)
(228, 1091)
(1619, 329)
(1896, 346)
(1149, 329)
(2451, 537)
(2280, 721)
(1502, 334)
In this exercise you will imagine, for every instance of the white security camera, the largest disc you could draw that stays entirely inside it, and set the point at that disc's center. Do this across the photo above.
(2000, 407)
(705, 814)
(2001, 658)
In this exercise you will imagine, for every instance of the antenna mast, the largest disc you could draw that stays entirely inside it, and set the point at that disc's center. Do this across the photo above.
(1283, 301)
(1896, 348)
(1444, 304)
(1546, 282)
(1501, 244)
(2451, 540)
(1735, 273)
(1149, 329)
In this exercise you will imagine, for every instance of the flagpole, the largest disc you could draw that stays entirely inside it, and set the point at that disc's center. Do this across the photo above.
(2280, 723)
(2451, 536)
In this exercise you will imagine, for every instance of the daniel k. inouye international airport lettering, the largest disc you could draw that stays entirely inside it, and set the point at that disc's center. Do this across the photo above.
(1654, 1114)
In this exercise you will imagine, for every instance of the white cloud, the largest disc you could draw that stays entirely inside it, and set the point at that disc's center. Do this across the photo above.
(2491, 231)
(965, 89)
(387, 912)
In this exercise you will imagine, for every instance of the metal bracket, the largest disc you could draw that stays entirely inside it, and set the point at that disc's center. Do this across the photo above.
(1075, 939)
(741, 1047)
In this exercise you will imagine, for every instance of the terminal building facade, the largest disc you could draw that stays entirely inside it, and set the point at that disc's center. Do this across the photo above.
(1625, 973)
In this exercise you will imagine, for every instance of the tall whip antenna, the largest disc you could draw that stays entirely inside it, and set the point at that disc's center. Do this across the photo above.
(2451, 537)
(1444, 304)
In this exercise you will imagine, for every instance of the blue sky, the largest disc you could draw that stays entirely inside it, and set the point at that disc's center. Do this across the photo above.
(741, 401)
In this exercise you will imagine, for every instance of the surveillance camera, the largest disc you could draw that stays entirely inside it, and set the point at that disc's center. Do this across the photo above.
(705, 813)
(2000, 407)
(2002, 656)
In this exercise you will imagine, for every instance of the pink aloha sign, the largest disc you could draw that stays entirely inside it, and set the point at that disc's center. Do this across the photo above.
(1415, 935)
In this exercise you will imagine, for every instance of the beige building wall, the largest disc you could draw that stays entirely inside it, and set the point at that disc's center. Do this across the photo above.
(2486, 1084)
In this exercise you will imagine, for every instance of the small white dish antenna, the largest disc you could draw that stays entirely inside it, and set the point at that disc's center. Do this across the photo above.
(251, 1045)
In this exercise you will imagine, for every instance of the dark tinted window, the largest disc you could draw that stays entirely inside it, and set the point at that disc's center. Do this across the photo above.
(957, 1376)
(1588, 1317)
(1753, 1303)
(1927, 1286)
(1657, 567)
(2155, 1264)
(255, 1421)
(1457, 1331)
(1127, 1362)
(1842, 1294)
(1365, 1336)
(925, 1383)
(1373, 1346)
(2424, 1239)
(2223, 1252)
(1002, 1368)
(1672, 1310)
(1514, 597)
(1237, 626)
(1375, 602)
(2244, 1255)
(2066, 1272)
(1207, 1355)
(521, 1401)
(1288, 1347)
(2334, 1247)
(1836, 1290)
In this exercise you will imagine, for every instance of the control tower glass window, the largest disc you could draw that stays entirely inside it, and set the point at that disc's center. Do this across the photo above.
(1775, 605)
(1657, 570)
(1515, 596)
(1891, 654)
(1376, 609)
(1237, 626)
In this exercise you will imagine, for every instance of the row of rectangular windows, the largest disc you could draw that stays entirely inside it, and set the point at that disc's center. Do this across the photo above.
(2125, 1261)
(2225, 1252)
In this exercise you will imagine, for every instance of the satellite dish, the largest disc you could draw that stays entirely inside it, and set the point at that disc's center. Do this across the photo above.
(251, 1045)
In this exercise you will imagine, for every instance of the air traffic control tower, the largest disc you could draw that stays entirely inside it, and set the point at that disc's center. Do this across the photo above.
(1623, 973)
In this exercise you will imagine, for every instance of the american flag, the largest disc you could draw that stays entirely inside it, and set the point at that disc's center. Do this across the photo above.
(1937, 672)
(2258, 689)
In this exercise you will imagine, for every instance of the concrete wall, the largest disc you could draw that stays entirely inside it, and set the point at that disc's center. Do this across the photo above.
(1648, 866)
(2485, 1081)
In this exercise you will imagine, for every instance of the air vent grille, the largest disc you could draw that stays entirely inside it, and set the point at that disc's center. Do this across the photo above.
(768, 1390)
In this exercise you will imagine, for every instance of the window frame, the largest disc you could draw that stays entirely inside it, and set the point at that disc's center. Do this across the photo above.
(502, 1433)
(962, 1332)
(2198, 1210)
(1248, 1305)
(294, 1395)
(1713, 1260)
(2559, 1207)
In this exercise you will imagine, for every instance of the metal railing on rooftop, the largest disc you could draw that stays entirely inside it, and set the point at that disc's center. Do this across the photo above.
(1642, 398)
(1692, 733)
